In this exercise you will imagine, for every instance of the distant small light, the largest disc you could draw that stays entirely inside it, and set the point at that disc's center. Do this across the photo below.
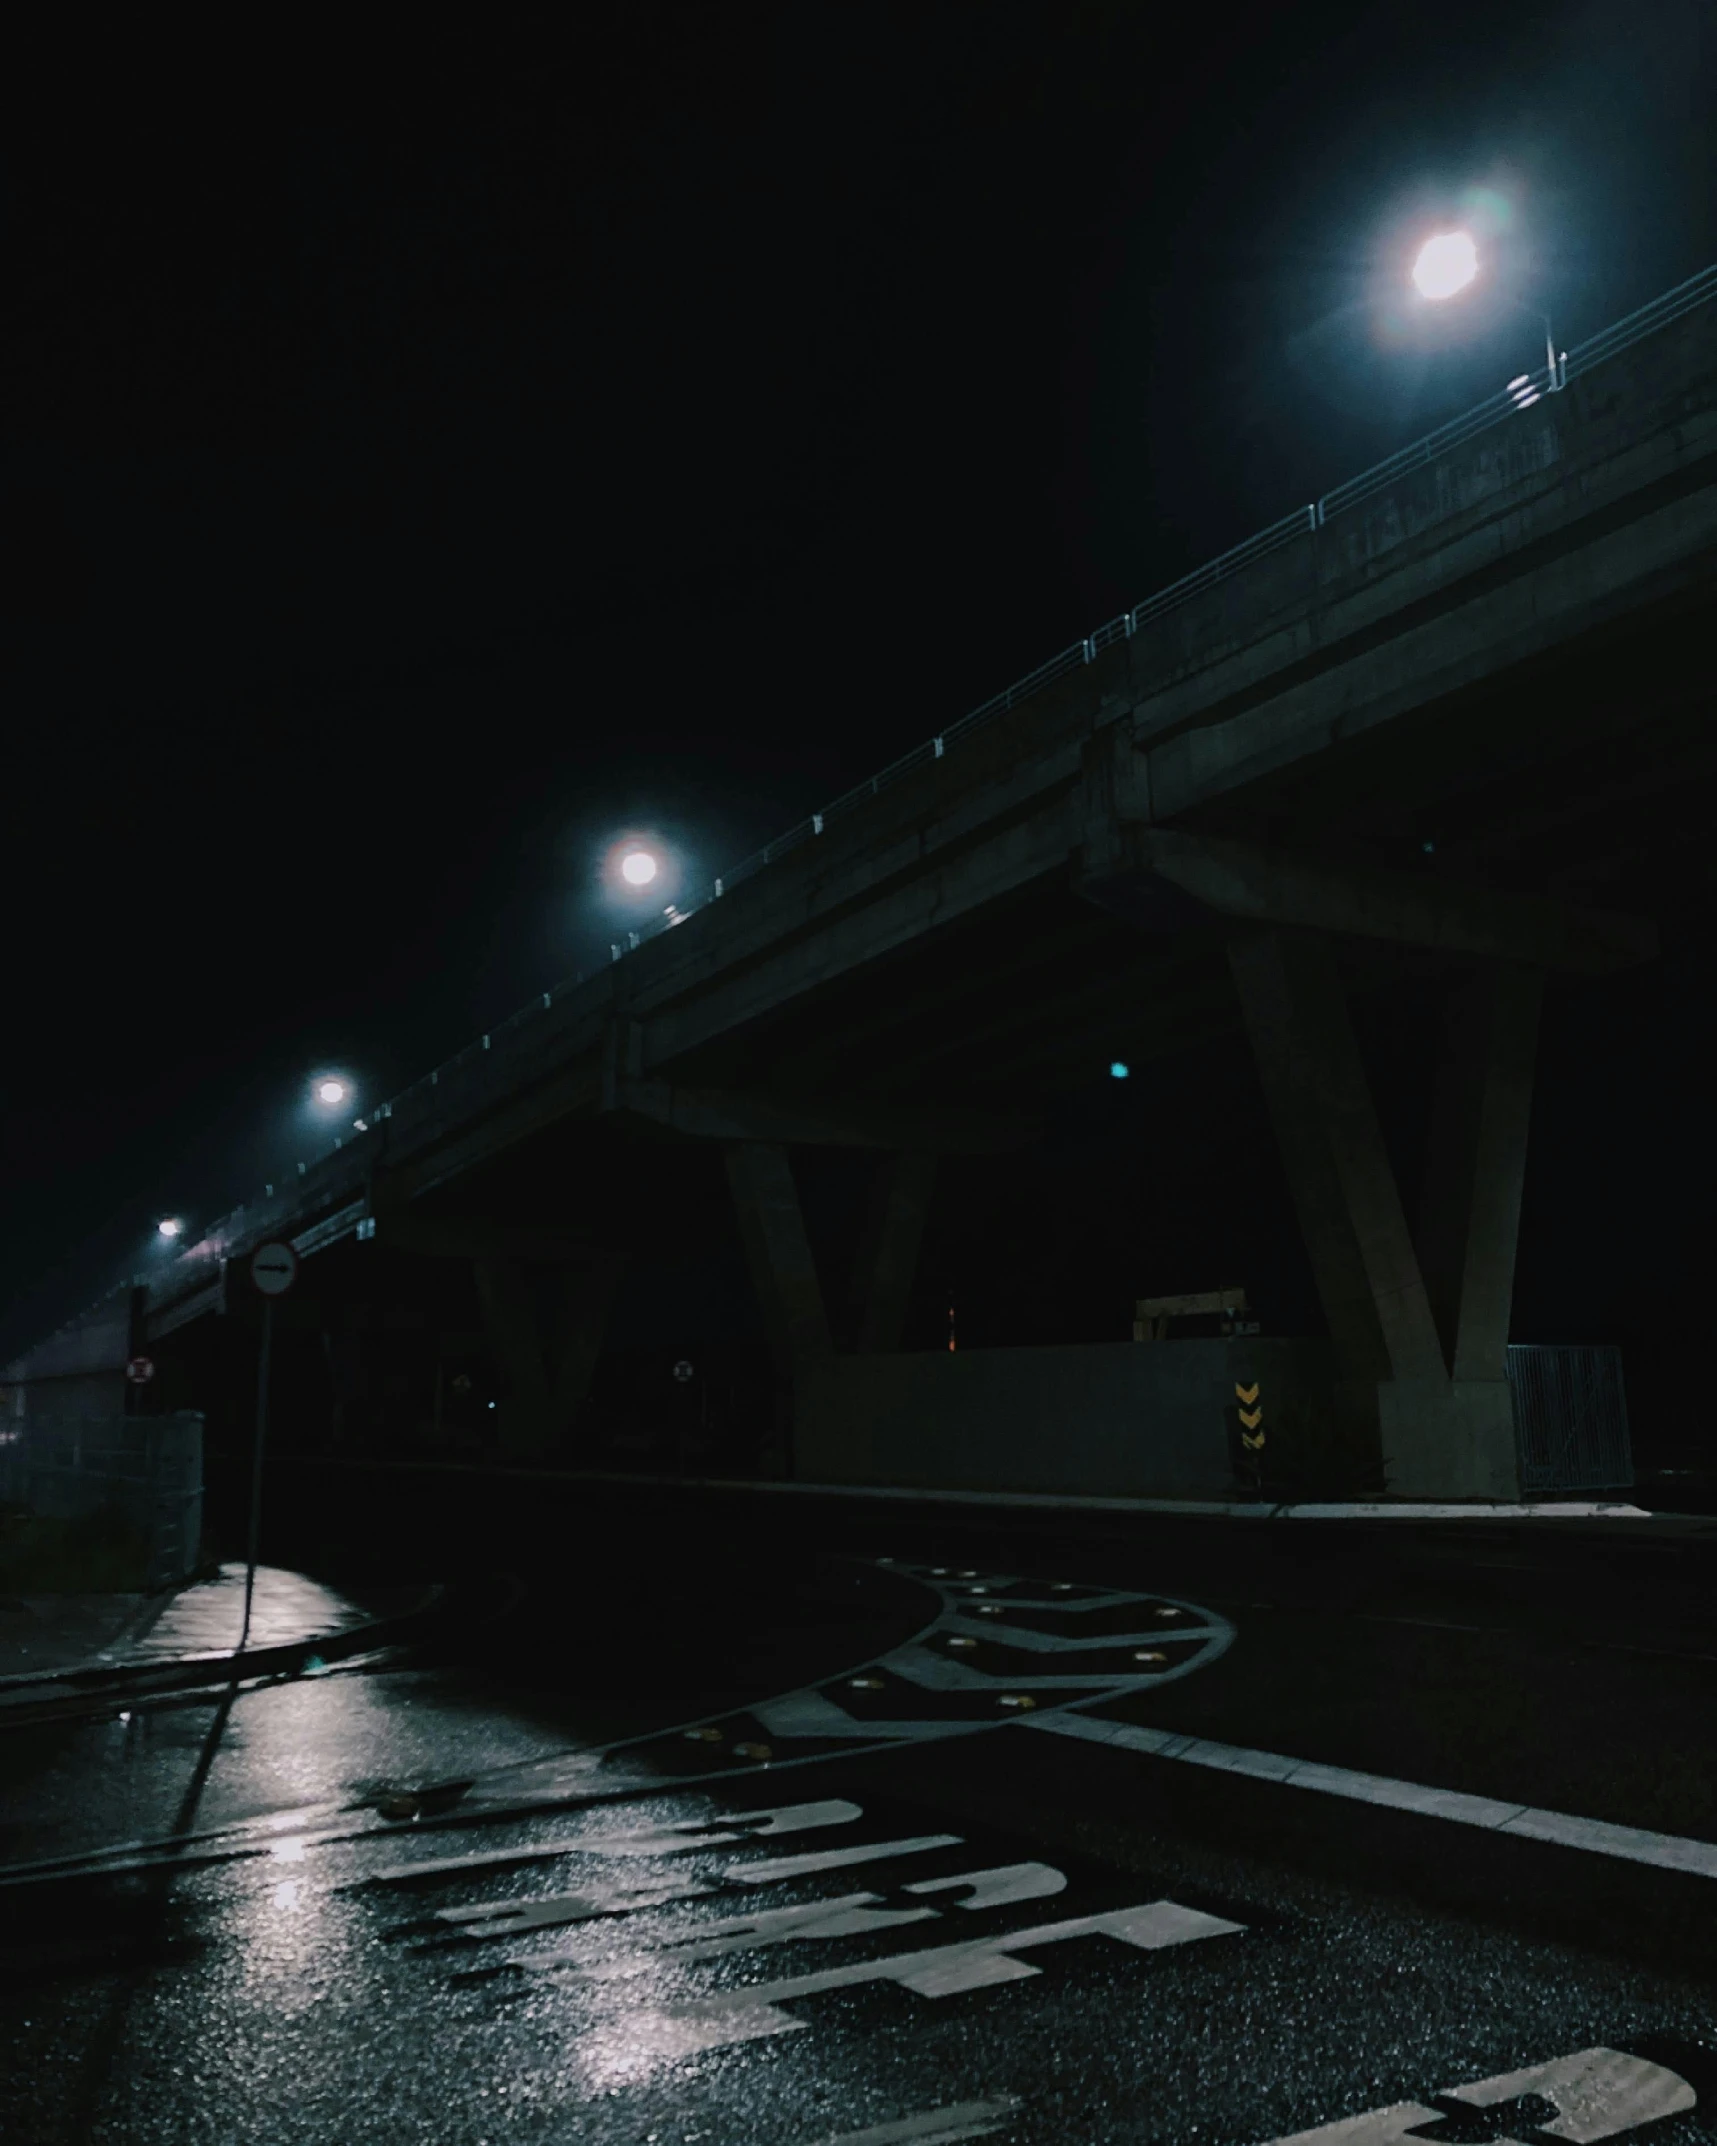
(1519, 380)
(1120, 1070)
(360, 1125)
(638, 868)
(170, 1226)
(491, 1404)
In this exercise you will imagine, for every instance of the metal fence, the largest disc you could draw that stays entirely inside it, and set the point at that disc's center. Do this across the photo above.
(1301, 525)
(148, 1470)
(1570, 1418)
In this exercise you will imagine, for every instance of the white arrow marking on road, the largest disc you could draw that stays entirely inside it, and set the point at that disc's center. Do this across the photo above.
(1597, 2093)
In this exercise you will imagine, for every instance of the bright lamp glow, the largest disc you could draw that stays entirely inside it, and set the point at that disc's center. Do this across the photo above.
(638, 868)
(170, 1226)
(331, 1092)
(1447, 263)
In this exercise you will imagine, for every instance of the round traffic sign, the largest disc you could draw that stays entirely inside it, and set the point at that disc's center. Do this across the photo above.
(274, 1268)
(140, 1370)
(683, 1371)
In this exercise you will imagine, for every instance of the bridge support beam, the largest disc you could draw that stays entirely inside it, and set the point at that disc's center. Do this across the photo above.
(887, 1257)
(784, 1275)
(1469, 1218)
(547, 1350)
(1440, 1436)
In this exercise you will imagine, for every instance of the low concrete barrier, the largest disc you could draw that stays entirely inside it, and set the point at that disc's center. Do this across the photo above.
(1121, 1419)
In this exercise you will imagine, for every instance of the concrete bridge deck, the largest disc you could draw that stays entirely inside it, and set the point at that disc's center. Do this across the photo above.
(1460, 730)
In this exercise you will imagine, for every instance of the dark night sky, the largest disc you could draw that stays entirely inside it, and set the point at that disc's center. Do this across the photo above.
(414, 470)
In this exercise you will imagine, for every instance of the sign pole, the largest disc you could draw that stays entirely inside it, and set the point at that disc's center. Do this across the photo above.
(273, 1270)
(256, 1464)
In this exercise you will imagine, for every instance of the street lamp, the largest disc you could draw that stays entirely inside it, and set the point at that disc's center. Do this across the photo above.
(170, 1226)
(1445, 265)
(639, 867)
(1447, 262)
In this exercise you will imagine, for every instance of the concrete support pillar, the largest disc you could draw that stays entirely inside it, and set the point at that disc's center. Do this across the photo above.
(887, 1259)
(548, 1351)
(1438, 1438)
(1469, 1219)
(778, 1254)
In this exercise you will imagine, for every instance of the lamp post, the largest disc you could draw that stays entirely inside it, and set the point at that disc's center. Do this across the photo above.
(1446, 264)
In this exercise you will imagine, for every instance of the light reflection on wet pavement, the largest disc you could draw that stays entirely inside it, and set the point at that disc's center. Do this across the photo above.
(922, 1926)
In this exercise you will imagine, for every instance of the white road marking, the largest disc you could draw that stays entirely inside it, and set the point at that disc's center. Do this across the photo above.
(1597, 1836)
(751, 2012)
(506, 1918)
(936, 2127)
(679, 1839)
(852, 1915)
(999, 1888)
(802, 1866)
(1373, 2127)
(1597, 2094)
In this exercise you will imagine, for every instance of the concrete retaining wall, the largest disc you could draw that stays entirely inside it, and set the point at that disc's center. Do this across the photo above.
(1122, 1419)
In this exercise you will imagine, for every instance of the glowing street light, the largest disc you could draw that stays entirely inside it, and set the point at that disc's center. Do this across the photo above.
(1447, 262)
(639, 867)
(170, 1226)
(331, 1091)
(1445, 265)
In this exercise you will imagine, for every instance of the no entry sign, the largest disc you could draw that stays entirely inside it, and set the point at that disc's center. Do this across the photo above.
(274, 1268)
(140, 1370)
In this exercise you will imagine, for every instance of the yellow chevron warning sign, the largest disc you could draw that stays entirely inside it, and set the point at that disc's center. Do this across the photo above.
(1250, 1410)
(1248, 1394)
(1251, 1418)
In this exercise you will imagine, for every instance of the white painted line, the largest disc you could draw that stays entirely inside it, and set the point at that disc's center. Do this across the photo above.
(1632, 1844)
(1060, 1501)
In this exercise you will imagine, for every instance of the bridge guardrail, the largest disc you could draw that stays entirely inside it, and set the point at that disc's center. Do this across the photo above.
(1521, 394)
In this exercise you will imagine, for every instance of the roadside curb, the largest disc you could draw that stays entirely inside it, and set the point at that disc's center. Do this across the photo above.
(50, 1695)
(1544, 1513)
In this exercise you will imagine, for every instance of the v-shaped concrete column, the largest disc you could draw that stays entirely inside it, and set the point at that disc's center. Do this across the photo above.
(784, 1274)
(1439, 1437)
(548, 1353)
(887, 1258)
(1469, 1218)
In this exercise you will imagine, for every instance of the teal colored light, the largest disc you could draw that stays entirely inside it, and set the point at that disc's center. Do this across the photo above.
(1119, 1069)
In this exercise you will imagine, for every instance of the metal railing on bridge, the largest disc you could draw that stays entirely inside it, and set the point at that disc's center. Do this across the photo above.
(1521, 394)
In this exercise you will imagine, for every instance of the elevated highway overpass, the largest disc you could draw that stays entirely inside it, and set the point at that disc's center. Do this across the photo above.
(1450, 727)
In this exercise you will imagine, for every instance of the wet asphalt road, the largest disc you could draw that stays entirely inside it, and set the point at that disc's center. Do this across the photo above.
(710, 1842)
